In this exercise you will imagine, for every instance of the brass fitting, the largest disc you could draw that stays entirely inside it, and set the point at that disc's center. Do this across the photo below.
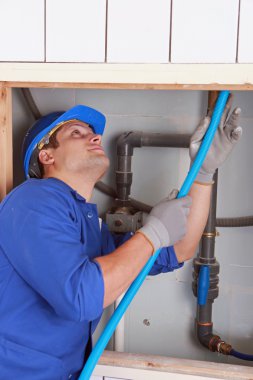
(224, 348)
(214, 342)
(211, 234)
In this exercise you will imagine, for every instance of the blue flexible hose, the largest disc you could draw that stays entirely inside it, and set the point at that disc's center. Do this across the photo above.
(240, 355)
(134, 287)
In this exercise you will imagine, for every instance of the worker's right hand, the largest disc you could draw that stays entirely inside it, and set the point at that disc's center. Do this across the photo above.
(225, 139)
(166, 223)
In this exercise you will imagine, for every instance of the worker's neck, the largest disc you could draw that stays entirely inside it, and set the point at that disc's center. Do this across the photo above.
(83, 185)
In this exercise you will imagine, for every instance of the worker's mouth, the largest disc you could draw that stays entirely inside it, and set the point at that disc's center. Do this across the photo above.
(97, 148)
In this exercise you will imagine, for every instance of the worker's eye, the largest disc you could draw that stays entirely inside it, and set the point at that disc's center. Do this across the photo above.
(76, 132)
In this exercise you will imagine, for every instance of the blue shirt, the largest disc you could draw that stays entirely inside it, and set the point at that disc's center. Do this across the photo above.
(51, 288)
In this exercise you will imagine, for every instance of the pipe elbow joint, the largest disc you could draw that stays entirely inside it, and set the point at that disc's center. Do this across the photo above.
(127, 142)
(205, 336)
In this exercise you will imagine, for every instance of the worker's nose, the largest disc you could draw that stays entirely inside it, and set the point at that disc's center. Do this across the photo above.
(96, 139)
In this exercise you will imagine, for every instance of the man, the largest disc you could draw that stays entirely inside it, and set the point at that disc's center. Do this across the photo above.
(59, 265)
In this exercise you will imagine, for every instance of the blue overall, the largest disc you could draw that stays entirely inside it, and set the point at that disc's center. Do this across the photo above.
(51, 289)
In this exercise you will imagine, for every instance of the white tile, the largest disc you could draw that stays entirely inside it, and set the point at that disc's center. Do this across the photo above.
(22, 30)
(204, 31)
(245, 41)
(138, 31)
(76, 30)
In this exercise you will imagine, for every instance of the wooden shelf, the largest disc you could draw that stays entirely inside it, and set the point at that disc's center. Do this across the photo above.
(128, 76)
(138, 367)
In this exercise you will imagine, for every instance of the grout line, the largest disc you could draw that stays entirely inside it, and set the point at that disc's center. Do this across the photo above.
(171, 9)
(238, 31)
(106, 29)
(45, 32)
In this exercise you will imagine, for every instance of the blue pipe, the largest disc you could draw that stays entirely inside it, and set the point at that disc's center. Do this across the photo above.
(134, 287)
(240, 355)
(203, 284)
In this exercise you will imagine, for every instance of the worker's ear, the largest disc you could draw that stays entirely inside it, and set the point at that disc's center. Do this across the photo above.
(46, 157)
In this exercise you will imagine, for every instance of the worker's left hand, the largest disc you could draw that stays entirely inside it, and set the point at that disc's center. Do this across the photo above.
(226, 136)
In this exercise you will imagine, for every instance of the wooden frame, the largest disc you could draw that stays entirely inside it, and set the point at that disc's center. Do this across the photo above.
(211, 77)
(128, 76)
(149, 367)
(108, 76)
(6, 164)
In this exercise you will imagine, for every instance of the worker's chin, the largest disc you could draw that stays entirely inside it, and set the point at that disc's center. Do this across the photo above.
(101, 165)
(102, 160)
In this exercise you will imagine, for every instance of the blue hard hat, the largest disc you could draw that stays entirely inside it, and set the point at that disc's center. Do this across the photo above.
(46, 124)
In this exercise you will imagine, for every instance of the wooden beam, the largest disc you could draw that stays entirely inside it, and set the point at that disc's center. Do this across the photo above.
(128, 76)
(212, 97)
(6, 157)
(140, 366)
(132, 86)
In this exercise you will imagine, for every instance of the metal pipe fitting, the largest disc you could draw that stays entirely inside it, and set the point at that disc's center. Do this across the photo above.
(125, 147)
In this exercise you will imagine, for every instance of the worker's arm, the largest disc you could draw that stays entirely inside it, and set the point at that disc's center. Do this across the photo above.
(165, 225)
(225, 139)
(122, 266)
(186, 248)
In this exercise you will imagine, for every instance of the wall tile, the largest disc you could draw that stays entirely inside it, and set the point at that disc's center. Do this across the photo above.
(22, 30)
(204, 31)
(245, 42)
(76, 30)
(138, 31)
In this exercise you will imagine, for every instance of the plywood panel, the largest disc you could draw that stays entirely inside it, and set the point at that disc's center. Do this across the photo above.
(245, 41)
(22, 30)
(138, 31)
(75, 30)
(204, 31)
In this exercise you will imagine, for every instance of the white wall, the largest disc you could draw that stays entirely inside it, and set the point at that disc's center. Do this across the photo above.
(167, 300)
(126, 31)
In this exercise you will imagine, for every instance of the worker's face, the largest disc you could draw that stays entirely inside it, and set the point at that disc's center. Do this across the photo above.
(79, 151)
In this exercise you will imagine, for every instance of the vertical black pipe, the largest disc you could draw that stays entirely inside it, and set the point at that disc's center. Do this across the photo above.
(204, 325)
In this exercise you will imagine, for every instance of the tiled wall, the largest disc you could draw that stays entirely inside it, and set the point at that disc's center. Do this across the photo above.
(127, 31)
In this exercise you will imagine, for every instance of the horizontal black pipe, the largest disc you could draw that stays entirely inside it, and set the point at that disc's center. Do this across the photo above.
(165, 140)
(136, 139)
(241, 221)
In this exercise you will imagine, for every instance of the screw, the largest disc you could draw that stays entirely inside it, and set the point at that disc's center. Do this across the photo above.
(146, 322)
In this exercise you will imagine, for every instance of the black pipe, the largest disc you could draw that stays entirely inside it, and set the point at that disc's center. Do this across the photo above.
(204, 325)
(31, 103)
(241, 221)
(125, 147)
(106, 189)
